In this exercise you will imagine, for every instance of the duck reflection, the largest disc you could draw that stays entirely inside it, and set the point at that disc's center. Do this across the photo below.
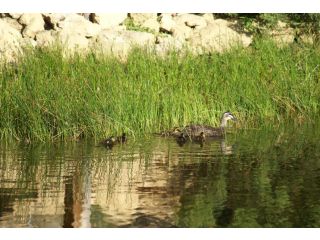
(226, 149)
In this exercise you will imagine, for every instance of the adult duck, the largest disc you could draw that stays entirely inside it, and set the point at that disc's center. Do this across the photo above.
(196, 130)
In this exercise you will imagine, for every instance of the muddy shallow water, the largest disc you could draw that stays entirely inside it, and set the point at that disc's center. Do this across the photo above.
(253, 178)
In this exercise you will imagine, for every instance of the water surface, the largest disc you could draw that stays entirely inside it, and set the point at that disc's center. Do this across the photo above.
(253, 178)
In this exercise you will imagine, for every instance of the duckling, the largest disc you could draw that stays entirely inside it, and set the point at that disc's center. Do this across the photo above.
(200, 139)
(196, 129)
(182, 139)
(174, 132)
(111, 141)
(122, 138)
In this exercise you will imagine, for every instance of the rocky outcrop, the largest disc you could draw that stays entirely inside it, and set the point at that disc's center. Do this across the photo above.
(78, 25)
(282, 34)
(167, 23)
(46, 38)
(181, 32)
(32, 23)
(120, 42)
(13, 23)
(52, 19)
(108, 20)
(112, 34)
(141, 18)
(10, 41)
(15, 15)
(217, 36)
(167, 44)
(151, 24)
(191, 20)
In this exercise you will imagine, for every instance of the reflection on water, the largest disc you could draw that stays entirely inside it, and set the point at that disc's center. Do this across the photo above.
(265, 178)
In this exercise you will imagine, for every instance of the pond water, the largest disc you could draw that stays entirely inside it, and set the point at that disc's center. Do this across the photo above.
(252, 178)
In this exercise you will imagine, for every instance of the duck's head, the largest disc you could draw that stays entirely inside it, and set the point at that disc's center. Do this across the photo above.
(225, 117)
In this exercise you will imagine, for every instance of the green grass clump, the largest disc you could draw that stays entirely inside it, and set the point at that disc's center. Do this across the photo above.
(46, 96)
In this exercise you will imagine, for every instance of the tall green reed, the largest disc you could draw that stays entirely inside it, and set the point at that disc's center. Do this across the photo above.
(46, 96)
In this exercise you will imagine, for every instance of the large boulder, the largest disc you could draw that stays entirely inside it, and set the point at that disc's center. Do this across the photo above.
(109, 42)
(167, 44)
(73, 42)
(15, 15)
(77, 25)
(166, 23)
(282, 34)
(32, 22)
(191, 20)
(283, 37)
(13, 23)
(140, 18)
(119, 43)
(308, 39)
(108, 20)
(181, 32)
(69, 41)
(151, 24)
(52, 19)
(46, 38)
(217, 36)
(10, 42)
(208, 17)
(140, 39)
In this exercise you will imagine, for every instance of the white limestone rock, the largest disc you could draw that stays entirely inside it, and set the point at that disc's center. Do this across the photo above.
(108, 20)
(73, 42)
(77, 25)
(181, 32)
(32, 22)
(10, 42)
(140, 18)
(13, 23)
(52, 19)
(119, 43)
(167, 44)
(46, 38)
(208, 17)
(166, 23)
(152, 24)
(15, 15)
(191, 20)
(217, 36)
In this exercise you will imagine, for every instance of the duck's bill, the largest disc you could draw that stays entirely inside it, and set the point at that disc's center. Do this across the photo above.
(233, 118)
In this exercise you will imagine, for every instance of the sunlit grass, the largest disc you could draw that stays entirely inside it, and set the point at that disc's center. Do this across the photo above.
(47, 96)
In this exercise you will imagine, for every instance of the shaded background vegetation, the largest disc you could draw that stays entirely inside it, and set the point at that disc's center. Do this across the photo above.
(258, 23)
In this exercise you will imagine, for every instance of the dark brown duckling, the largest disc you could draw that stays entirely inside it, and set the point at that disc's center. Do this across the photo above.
(122, 138)
(200, 139)
(182, 139)
(174, 132)
(111, 141)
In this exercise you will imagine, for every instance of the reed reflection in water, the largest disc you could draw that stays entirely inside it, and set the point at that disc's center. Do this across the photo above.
(257, 178)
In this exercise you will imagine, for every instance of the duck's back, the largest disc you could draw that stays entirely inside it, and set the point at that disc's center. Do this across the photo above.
(196, 129)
